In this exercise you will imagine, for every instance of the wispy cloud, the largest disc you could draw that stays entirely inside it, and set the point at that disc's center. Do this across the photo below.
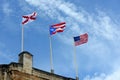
(6, 9)
(101, 24)
(112, 76)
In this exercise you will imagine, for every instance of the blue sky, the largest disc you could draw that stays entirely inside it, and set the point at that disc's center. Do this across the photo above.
(97, 60)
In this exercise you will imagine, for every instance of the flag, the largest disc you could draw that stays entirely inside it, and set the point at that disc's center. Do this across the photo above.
(78, 40)
(29, 18)
(57, 28)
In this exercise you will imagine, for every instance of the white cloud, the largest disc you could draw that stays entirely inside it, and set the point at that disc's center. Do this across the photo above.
(95, 77)
(6, 9)
(101, 24)
(105, 27)
(113, 76)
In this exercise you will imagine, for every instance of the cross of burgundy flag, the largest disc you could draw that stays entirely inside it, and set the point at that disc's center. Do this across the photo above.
(29, 18)
(57, 28)
(78, 40)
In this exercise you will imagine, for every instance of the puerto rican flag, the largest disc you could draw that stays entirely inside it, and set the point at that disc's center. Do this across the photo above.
(29, 18)
(57, 28)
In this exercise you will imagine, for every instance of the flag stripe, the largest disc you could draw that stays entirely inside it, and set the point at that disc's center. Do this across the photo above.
(59, 30)
(59, 24)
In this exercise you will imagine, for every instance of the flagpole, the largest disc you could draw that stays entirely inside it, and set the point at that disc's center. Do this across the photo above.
(22, 39)
(75, 63)
(51, 58)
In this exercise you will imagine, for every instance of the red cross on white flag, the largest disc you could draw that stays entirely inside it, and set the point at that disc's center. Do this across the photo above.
(29, 18)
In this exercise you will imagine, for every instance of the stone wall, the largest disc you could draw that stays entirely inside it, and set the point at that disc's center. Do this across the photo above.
(14, 71)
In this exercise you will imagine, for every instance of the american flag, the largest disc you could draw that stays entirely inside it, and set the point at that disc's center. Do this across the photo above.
(57, 28)
(78, 40)
(29, 18)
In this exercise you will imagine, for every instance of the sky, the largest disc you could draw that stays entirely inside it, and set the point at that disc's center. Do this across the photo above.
(98, 59)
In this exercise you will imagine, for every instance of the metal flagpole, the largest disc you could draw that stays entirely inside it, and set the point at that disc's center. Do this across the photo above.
(75, 63)
(51, 59)
(22, 39)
